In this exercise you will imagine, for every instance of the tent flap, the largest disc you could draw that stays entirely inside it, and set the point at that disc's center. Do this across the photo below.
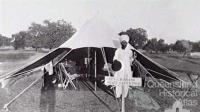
(157, 70)
(42, 61)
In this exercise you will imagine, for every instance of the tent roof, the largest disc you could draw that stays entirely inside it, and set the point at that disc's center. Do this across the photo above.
(95, 33)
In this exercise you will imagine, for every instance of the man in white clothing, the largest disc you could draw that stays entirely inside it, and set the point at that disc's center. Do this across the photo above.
(125, 56)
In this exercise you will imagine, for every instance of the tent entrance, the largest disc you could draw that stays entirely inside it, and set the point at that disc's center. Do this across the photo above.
(84, 60)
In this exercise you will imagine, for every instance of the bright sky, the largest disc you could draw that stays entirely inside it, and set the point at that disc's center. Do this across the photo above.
(167, 19)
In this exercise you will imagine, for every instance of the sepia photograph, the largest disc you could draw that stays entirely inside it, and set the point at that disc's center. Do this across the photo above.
(99, 56)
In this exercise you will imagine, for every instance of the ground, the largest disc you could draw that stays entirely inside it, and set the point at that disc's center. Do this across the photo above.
(82, 100)
(181, 66)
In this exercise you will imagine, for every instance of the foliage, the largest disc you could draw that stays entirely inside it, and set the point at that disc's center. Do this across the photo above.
(151, 45)
(196, 46)
(162, 46)
(56, 33)
(138, 37)
(182, 46)
(49, 35)
(4, 41)
(154, 45)
(35, 36)
(19, 41)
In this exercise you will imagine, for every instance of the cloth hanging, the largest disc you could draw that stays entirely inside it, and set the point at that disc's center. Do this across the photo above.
(49, 67)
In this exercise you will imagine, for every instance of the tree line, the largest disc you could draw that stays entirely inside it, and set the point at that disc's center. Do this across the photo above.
(52, 34)
(4, 41)
(47, 35)
(139, 39)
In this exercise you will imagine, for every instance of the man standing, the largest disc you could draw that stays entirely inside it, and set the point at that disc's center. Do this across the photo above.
(123, 55)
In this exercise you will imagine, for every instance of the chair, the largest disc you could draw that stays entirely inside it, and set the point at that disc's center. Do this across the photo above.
(68, 77)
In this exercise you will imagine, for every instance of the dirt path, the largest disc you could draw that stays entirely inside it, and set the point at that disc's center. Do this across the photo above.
(58, 100)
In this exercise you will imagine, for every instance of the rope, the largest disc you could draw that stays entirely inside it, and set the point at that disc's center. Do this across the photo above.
(193, 85)
(160, 73)
(30, 71)
(61, 76)
(165, 75)
(26, 65)
(179, 79)
(104, 57)
(63, 57)
(25, 72)
(11, 101)
(7, 77)
(164, 88)
(91, 90)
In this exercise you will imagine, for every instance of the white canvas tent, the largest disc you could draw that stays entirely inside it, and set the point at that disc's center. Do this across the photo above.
(95, 33)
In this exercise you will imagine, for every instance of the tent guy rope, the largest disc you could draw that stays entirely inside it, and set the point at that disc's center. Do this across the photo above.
(11, 101)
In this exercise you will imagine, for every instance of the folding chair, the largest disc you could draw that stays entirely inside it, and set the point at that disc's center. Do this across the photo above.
(69, 77)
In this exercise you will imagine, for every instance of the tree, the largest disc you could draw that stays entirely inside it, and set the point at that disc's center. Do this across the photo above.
(162, 46)
(178, 46)
(138, 37)
(36, 36)
(196, 46)
(19, 40)
(51, 34)
(151, 45)
(182, 46)
(4, 41)
(57, 33)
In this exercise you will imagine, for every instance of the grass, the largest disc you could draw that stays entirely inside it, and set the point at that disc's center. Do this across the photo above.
(181, 66)
(14, 59)
(177, 62)
(15, 56)
(30, 101)
(78, 101)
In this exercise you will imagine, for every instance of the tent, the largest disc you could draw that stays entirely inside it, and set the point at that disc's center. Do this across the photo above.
(95, 33)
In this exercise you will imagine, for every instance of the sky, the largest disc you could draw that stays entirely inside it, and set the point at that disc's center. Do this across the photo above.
(167, 19)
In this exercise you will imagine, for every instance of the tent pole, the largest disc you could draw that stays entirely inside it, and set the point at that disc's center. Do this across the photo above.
(123, 103)
(95, 70)
(104, 57)
(88, 62)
